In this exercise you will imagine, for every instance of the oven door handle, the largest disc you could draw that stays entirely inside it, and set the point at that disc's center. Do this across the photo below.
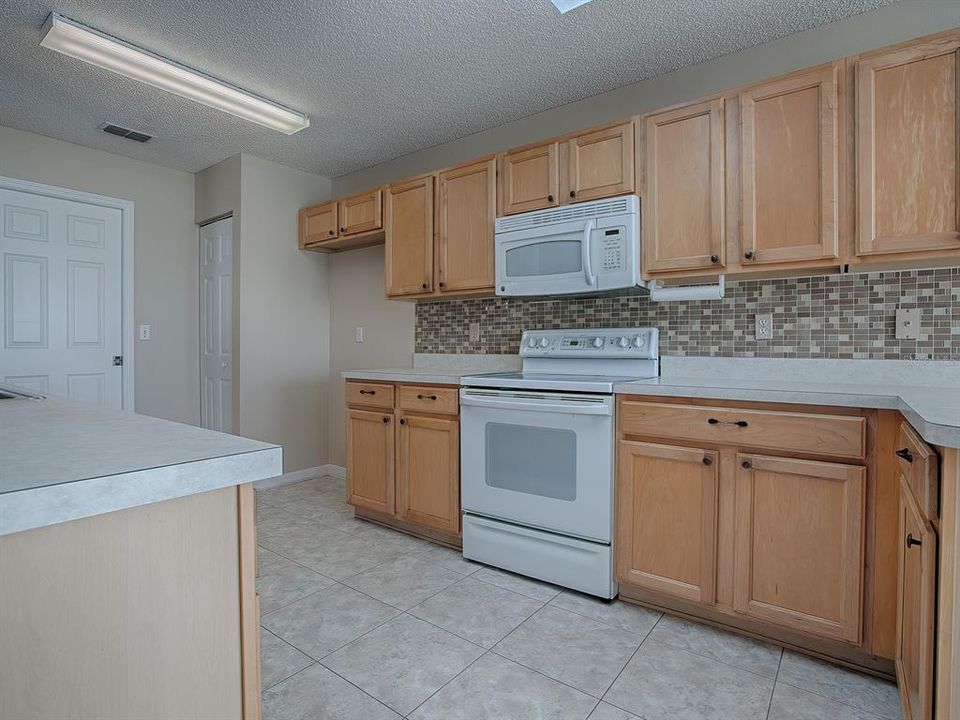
(585, 253)
(563, 406)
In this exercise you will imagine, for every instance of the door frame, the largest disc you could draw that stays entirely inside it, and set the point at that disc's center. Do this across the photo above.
(126, 208)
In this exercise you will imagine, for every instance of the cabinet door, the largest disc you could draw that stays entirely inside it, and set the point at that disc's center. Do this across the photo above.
(468, 208)
(916, 608)
(370, 446)
(428, 478)
(666, 537)
(799, 544)
(908, 175)
(683, 217)
(409, 243)
(529, 179)
(790, 167)
(318, 223)
(361, 213)
(601, 163)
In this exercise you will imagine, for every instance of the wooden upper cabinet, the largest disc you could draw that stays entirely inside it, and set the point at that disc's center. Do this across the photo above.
(908, 175)
(318, 223)
(790, 168)
(428, 474)
(370, 460)
(361, 213)
(683, 214)
(468, 208)
(409, 242)
(530, 179)
(667, 519)
(798, 558)
(916, 608)
(601, 163)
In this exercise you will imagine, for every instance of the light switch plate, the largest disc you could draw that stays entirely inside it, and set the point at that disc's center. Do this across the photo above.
(146, 332)
(474, 332)
(764, 326)
(358, 335)
(908, 324)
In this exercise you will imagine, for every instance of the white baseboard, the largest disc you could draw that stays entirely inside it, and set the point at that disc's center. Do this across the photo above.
(301, 475)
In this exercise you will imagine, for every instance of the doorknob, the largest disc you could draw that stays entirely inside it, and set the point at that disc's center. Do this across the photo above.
(223, 365)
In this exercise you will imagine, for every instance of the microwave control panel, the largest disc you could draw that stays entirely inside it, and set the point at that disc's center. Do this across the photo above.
(613, 250)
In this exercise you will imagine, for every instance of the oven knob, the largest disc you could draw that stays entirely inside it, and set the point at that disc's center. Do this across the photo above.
(532, 342)
(623, 342)
(639, 341)
(544, 342)
(598, 342)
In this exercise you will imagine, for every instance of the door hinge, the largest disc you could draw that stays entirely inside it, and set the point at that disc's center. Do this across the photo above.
(118, 359)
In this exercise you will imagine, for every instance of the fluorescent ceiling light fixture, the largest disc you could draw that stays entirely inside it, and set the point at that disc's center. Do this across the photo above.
(568, 5)
(71, 38)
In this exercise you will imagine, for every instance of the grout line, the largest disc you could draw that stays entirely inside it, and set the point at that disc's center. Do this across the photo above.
(377, 700)
(627, 663)
(774, 690)
(448, 682)
(897, 716)
(298, 650)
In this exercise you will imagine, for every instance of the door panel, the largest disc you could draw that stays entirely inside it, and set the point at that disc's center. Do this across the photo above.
(790, 167)
(428, 474)
(601, 163)
(61, 297)
(799, 544)
(683, 219)
(529, 179)
(409, 248)
(361, 213)
(908, 172)
(667, 519)
(318, 223)
(370, 467)
(216, 325)
(468, 208)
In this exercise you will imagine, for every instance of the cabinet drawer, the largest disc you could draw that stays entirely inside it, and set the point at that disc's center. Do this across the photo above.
(424, 398)
(834, 435)
(918, 466)
(378, 395)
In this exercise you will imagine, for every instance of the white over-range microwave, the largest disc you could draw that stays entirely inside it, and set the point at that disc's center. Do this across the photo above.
(583, 248)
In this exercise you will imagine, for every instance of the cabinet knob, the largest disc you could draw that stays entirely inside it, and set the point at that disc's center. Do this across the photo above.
(746, 464)
(708, 461)
(714, 259)
(343, 229)
(332, 232)
(549, 198)
(443, 284)
(573, 193)
(905, 454)
(386, 420)
(424, 286)
(748, 255)
(403, 421)
(911, 541)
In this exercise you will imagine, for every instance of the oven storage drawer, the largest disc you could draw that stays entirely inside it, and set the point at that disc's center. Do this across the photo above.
(566, 561)
(833, 435)
(367, 394)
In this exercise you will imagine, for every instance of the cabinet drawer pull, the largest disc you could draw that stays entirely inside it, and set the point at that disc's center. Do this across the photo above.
(368, 392)
(738, 423)
(426, 397)
(905, 454)
(911, 541)
(708, 461)
(746, 464)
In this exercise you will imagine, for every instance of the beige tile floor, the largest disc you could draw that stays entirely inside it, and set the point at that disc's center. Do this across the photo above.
(362, 623)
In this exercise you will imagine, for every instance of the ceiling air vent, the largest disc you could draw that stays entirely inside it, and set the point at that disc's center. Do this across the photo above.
(125, 133)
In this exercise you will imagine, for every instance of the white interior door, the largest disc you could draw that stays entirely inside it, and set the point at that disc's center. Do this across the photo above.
(61, 291)
(216, 303)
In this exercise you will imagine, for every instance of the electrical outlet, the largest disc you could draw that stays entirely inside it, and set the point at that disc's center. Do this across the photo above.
(358, 335)
(764, 326)
(145, 332)
(908, 324)
(474, 332)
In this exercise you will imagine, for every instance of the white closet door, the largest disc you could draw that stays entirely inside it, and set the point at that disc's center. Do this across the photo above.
(216, 304)
(61, 297)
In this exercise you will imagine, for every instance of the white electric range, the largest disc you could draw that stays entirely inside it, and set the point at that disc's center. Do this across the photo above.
(537, 455)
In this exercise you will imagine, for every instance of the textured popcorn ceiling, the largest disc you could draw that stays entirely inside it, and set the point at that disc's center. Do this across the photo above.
(379, 79)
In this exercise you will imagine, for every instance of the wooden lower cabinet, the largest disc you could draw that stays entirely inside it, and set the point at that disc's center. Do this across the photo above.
(370, 460)
(403, 459)
(667, 519)
(799, 544)
(428, 452)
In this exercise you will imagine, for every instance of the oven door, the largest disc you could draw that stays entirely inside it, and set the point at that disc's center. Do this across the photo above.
(540, 459)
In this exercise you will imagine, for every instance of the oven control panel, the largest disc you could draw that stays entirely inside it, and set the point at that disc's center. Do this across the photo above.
(601, 342)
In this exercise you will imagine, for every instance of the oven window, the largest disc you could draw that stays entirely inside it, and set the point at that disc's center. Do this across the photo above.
(551, 257)
(532, 460)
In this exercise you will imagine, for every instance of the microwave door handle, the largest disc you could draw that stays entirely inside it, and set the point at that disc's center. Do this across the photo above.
(585, 250)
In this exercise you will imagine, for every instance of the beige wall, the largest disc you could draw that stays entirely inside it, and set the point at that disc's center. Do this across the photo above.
(900, 21)
(281, 363)
(356, 298)
(166, 265)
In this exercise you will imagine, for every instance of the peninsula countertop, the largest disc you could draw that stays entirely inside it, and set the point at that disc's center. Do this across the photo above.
(62, 460)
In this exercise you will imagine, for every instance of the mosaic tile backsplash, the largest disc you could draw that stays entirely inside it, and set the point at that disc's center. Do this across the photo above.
(832, 316)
